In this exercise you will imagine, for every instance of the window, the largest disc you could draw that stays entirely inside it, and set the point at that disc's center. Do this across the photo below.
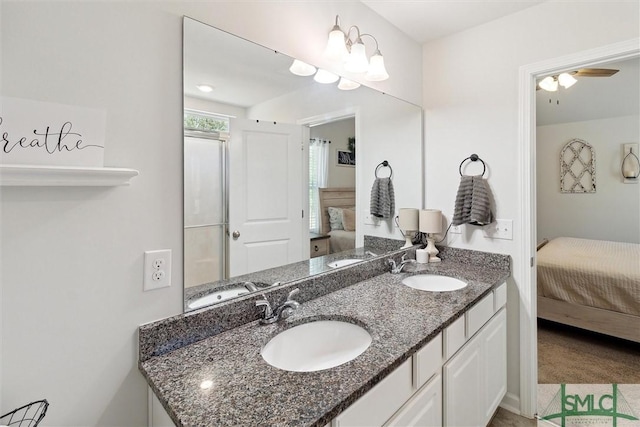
(318, 169)
(205, 122)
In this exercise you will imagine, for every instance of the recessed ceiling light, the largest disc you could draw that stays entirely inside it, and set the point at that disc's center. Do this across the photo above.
(205, 88)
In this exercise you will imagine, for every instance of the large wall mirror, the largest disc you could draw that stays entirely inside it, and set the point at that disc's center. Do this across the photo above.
(256, 150)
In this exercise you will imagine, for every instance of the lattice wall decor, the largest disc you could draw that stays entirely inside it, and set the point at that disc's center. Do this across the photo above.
(577, 167)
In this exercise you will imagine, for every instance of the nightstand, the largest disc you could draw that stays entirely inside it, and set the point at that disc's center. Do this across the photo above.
(319, 244)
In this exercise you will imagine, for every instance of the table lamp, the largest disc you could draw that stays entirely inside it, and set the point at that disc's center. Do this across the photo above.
(408, 224)
(431, 223)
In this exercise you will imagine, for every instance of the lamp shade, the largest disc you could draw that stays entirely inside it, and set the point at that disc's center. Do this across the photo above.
(430, 221)
(300, 68)
(336, 48)
(377, 72)
(357, 61)
(323, 76)
(408, 219)
(549, 84)
(346, 84)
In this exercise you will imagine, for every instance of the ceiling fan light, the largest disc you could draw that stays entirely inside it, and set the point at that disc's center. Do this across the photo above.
(357, 61)
(325, 77)
(300, 68)
(377, 72)
(346, 84)
(336, 48)
(566, 80)
(549, 84)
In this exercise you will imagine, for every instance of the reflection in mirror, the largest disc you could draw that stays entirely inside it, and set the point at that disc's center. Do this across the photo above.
(259, 143)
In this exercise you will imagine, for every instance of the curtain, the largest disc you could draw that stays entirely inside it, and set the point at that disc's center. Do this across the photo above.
(318, 178)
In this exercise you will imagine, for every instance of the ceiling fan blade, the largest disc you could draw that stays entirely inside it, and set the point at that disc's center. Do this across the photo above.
(594, 72)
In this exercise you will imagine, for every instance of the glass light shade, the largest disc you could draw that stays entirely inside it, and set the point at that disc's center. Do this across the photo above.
(347, 84)
(566, 80)
(430, 221)
(377, 72)
(336, 48)
(357, 61)
(549, 84)
(323, 76)
(300, 68)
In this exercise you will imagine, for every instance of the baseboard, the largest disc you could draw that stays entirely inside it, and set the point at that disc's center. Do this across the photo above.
(511, 402)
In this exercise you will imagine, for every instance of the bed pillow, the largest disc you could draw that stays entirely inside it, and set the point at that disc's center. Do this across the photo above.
(335, 218)
(349, 219)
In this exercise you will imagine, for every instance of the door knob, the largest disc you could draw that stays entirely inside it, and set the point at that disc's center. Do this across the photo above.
(235, 235)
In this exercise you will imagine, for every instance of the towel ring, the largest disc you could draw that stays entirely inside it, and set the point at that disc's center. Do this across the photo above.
(384, 164)
(473, 158)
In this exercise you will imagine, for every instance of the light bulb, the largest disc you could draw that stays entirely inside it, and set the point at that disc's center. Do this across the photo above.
(347, 84)
(323, 76)
(357, 61)
(300, 68)
(377, 72)
(566, 80)
(549, 84)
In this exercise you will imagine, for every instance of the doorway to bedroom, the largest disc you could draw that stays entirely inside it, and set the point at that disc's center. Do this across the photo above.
(588, 225)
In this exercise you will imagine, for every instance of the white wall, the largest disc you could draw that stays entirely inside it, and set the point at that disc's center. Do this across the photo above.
(470, 96)
(613, 211)
(338, 133)
(71, 272)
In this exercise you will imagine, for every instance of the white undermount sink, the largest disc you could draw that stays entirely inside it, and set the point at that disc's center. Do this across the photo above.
(315, 346)
(343, 262)
(434, 283)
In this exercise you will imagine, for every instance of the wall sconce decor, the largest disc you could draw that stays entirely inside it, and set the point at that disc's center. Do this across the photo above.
(342, 48)
(630, 167)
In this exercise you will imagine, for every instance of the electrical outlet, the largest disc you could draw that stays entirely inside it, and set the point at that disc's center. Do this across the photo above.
(500, 229)
(157, 269)
(456, 229)
(371, 220)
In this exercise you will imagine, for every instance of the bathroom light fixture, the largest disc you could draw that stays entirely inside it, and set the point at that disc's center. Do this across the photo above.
(566, 80)
(346, 84)
(630, 166)
(340, 47)
(205, 88)
(549, 84)
(323, 76)
(300, 68)
(431, 223)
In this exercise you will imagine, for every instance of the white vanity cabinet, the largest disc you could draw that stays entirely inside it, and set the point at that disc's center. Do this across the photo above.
(475, 379)
(157, 416)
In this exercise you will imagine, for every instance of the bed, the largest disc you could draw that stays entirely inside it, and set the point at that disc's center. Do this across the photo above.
(590, 284)
(338, 205)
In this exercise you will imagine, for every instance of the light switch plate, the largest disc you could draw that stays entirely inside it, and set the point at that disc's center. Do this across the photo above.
(500, 229)
(456, 229)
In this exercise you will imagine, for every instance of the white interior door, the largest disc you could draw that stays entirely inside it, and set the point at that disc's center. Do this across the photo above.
(265, 195)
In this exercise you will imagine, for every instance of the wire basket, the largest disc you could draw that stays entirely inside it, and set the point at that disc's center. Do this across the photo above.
(28, 415)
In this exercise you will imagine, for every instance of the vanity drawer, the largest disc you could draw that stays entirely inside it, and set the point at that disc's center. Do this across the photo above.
(381, 402)
(500, 297)
(454, 337)
(427, 361)
(319, 247)
(479, 314)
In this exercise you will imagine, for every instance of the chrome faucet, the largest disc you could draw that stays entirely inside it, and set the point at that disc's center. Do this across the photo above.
(398, 268)
(281, 312)
(251, 287)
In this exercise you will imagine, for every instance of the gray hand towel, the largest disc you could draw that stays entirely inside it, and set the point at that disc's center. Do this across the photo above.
(473, 202)
(382, 198)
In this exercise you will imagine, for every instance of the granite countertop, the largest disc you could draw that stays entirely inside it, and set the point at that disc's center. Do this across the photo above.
(248, 391)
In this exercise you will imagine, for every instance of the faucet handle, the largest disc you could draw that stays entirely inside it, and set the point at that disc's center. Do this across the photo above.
(268, 311)
(293, 293)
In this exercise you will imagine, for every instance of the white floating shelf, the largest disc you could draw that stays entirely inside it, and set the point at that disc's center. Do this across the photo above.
(64, 176)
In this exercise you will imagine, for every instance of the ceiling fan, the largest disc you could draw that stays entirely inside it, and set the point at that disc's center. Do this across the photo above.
(568, 79)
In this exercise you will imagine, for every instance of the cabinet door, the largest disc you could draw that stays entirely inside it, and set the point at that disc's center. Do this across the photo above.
(494, 352)
(424, 409)
(463, 379)
(158, 417)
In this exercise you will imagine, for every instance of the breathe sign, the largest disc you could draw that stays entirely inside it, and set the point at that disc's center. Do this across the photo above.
(43, 133)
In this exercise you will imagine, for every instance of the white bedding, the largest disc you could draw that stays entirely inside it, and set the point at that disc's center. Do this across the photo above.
(593, 273)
